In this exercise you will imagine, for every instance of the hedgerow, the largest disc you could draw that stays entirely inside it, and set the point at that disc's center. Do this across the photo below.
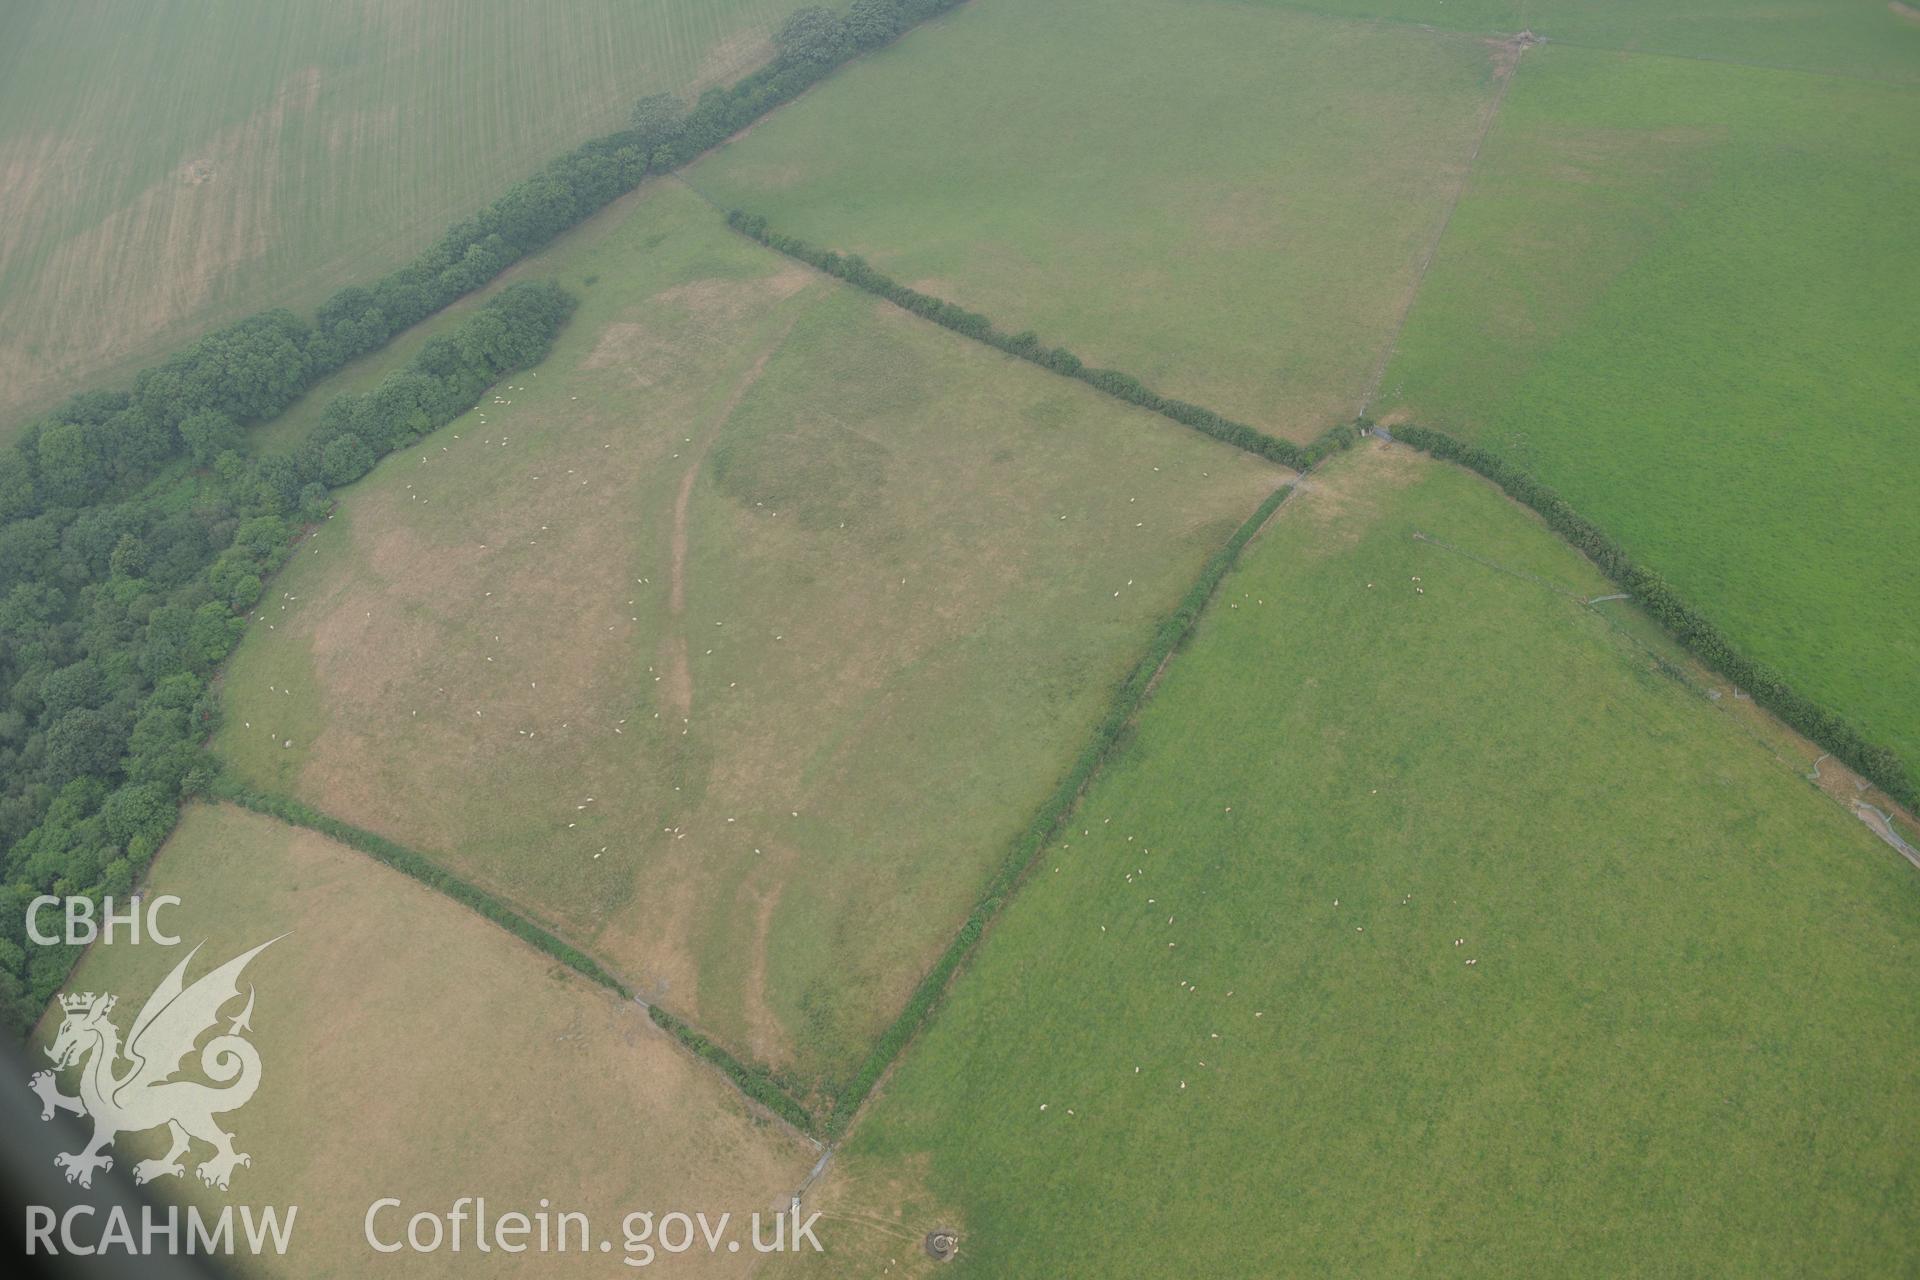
(420, 867)
(754, 1081)
(1046, 823)
(1700, 637)
(1026, 345)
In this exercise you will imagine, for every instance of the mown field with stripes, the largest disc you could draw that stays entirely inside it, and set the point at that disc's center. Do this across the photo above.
(168, 167)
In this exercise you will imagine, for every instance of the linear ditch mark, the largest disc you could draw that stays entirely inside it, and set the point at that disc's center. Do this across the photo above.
(1713, 60)
(1519, 45)
(1428, 28)
(688, 183)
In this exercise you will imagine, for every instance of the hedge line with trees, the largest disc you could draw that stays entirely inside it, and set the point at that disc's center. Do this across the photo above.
(1026, 344)
(1700, 637)
(1046, 824)
(121, 592)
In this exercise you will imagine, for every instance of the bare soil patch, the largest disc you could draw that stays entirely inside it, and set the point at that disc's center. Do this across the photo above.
(881, 1217)
(1342, 498)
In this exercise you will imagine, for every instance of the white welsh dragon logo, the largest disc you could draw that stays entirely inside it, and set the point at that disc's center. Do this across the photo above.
(144, 1095)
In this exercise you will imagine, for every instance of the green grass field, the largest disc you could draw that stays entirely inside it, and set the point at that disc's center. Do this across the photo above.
(409, 1048)
(1227, 201)
(1424, 927)
(1871, 39)
(167, 167)
(1681, 294)
(738, 639)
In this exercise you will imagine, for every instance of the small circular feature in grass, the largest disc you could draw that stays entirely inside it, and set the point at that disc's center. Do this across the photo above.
(943, 1244)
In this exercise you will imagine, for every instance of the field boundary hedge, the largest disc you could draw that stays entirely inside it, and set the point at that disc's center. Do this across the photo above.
(1026, 345)
(419, 867)
(756, 1082)
(1028, 845)
(1690, 628)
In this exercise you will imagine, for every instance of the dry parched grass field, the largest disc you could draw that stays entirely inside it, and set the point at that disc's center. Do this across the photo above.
(411, 1049)
(737, 640)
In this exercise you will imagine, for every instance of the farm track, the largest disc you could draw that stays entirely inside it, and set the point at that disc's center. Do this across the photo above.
(1881, 825)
